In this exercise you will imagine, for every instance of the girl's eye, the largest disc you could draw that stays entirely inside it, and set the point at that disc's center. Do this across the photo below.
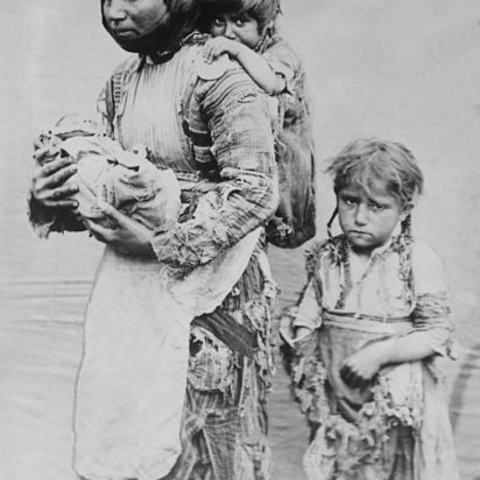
(349, 201)
(218, 22)
(377, 207)
(240, 22)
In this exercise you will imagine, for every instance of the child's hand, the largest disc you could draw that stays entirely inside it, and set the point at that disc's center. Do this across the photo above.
(215, 47)
(359, 369)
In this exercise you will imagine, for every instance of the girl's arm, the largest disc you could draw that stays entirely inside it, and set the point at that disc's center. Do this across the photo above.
(358, 369)
(256, 66)
(432, 332)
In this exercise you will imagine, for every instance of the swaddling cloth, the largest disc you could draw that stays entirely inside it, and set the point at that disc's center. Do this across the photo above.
(106, 172)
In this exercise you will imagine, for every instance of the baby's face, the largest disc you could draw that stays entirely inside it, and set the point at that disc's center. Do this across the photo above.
(239, 27)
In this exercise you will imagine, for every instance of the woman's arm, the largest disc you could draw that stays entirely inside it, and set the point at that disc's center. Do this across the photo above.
(239, 120)
(256, 66)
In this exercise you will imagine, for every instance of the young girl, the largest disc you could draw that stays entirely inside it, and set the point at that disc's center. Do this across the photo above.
(371, 323)
(246, 31)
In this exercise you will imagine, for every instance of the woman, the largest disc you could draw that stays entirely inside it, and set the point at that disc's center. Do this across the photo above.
(213, 127)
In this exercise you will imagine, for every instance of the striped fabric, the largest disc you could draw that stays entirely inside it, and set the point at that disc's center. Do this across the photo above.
(226, 126)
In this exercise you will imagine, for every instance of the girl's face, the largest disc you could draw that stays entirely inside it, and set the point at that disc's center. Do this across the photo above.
(368, 219)
(239, 27)
(133, 18)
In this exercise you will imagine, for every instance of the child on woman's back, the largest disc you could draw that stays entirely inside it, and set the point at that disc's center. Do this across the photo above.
(371, 322)
(246, 31)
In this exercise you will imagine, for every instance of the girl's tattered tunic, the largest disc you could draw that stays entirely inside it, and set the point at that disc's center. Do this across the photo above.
(216, 133)
(397, 428)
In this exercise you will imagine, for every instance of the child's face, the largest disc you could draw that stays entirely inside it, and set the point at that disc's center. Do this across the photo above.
(368, 219)
(239, 27)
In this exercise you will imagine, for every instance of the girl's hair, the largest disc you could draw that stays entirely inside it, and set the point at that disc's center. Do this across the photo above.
(263, 11)
(369, 159)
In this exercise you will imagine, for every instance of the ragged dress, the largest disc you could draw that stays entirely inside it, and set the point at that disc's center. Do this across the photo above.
(294, 222)
(397, 428)
(216, 133)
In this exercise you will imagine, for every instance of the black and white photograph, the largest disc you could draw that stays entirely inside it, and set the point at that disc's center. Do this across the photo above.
(240, 240)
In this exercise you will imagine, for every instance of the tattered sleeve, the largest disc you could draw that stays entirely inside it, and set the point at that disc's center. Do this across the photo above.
(45, 220)
(240, 126)
(432, 313)
(284, 62)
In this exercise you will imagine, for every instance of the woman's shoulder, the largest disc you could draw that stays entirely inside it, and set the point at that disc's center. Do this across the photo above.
(130, 63)
(224, 79)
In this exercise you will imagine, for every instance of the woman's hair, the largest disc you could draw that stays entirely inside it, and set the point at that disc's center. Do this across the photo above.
(184, 15)
(184, 8)
(368, 159)
(263, 11)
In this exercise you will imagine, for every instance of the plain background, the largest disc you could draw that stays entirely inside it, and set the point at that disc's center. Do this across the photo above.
(406, 70)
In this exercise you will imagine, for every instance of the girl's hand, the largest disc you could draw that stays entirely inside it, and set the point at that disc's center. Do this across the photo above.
(127, 236)
(215, 47)
(358, 370)
(49, 185)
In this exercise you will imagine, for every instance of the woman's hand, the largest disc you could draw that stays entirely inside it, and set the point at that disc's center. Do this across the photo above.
(49, 185)
(127, 236)
(358, 370)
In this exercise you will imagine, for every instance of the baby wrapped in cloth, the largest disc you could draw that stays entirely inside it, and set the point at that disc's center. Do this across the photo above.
(131, 382)
(126, 180)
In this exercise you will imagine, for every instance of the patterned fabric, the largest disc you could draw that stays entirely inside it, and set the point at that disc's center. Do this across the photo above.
(397, 428)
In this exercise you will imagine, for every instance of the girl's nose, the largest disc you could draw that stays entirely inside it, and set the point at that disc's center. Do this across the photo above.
(229, 30)
(361, 214)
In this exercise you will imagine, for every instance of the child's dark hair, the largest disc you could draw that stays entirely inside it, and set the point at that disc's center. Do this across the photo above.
(263, 11)
(368, 159)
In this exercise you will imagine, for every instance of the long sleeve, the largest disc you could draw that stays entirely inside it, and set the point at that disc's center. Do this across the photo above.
(239, 120)
(308, 312)
(431, 313)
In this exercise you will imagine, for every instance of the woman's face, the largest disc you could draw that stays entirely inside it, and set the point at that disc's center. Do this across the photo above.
(132, 18)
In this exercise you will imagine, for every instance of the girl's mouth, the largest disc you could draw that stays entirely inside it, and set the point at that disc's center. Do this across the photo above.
(359, 233)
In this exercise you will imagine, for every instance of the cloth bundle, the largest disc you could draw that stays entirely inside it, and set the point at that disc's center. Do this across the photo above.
(106, 172)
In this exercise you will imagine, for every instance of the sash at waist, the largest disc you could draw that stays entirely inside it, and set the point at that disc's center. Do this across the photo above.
(367, 323)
